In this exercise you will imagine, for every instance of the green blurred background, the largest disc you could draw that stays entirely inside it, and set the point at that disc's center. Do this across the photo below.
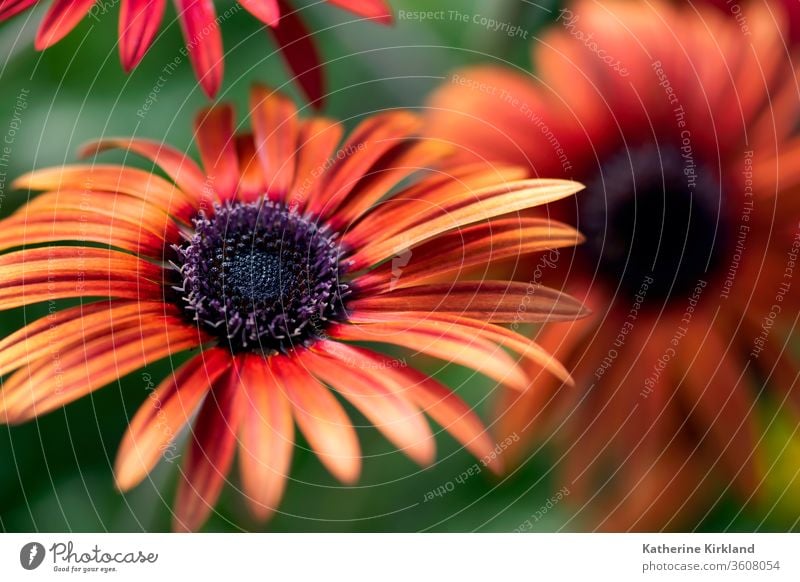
(55, 473)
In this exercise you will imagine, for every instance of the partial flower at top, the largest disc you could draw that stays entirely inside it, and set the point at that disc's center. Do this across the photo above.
(271, 260)
(139, 21)
(682, 126)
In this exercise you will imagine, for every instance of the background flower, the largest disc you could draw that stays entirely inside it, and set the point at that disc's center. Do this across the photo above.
(140, 20)
(676, 118)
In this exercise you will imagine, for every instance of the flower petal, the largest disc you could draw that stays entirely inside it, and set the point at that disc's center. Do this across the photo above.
(215, 131)
(401, 422)
(321, 418)
(163, 415)
(211, 450)
(55, 332)
(370, 140)
(462, 249)
(445, 342)
(430, 218)
(267, 438)
(492, 301)
(61, 18)
(111, 178)
(181, 169)
(50, 383)
(300, 53)
(139, 21)
(275, 126)
(40, 274)
(525, 347)
(201, 31)
(377, 10)
(9, 8)
(316, 143)
(435, 400)
(267, 11)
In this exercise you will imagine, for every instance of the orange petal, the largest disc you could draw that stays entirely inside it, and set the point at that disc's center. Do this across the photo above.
(163, 415)
(371, 392)
(492, 301)
(395, 166)
(211, 451)
(475, 245)
(321, 418)
(275, 125)
(370, 140)
(445, 342)
(180, 168)
(51, 334)
(28, 275)
(435, 400)
(49, 383)
(215, 132)
(252, 184)
(99, 178)
(430, 218)
(267, 438)
(317, 139)
(525, 347)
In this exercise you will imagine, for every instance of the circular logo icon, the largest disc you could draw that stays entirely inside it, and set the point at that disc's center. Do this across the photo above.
(31, 555)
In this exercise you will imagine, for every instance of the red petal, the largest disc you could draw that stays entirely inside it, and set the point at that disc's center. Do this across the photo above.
(203, 41)
(139, 21)
(163, 415)
(298, 50)
(215, 131)
(267, 11)
(377, 10)
(9, 8)
(61, 18)
(210, 453)
(315, 145)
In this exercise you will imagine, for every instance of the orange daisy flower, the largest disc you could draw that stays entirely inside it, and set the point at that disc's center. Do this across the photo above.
(682, 127)
(139, 21)
(272, 261)
(737, 11)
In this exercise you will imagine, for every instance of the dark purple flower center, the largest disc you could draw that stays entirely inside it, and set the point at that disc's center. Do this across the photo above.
(261, 277)
(653, 214)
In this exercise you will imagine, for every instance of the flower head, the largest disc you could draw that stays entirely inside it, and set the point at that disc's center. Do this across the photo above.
(681, 126)
(271, 261)
(139, 22)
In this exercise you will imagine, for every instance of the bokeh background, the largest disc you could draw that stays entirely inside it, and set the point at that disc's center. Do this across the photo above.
(56, 472)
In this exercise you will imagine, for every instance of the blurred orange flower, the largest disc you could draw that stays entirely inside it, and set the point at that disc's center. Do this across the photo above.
(681, 124)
